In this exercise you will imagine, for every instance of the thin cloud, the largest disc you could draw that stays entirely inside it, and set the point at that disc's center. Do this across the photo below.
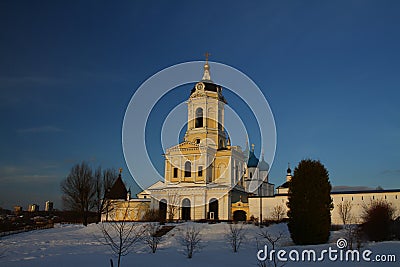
(42, 129)
(343, 188)
(12, 174)
(26, 179)
(391, 172)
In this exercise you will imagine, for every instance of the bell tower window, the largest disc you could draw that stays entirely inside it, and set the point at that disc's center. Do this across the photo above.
(188, 169)
(200, 171)
(199, 118)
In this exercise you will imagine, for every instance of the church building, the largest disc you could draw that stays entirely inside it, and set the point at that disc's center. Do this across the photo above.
(207, 177)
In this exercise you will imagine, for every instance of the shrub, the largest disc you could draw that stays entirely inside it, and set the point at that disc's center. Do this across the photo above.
(377, 220)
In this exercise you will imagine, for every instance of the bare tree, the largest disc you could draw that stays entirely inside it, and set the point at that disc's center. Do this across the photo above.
(344, 210)
(79, 190)
(278, 212)
(173, 205)
(104, 181)
(120, 236)
(190, 239)
(235, 235)
(272, 239)
(152, 237)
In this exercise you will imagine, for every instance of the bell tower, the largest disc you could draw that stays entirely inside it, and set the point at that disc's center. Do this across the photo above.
(206, 113)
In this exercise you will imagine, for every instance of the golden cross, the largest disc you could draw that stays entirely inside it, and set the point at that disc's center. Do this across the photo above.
(207, 55)
(120, 170)
(252, 147)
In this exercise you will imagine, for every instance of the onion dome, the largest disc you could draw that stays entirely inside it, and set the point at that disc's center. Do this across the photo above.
(289, 171)
(263, 165)
(253, 160)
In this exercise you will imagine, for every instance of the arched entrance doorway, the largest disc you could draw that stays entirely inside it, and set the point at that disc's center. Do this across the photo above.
(162, 209)
(239, 216)
(186, 209)
(213, 209)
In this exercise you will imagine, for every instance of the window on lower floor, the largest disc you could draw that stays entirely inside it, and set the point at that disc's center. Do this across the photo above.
(175, 172)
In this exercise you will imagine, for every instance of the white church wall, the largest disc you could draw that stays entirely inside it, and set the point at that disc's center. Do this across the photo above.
(357, 200)
(267, 204)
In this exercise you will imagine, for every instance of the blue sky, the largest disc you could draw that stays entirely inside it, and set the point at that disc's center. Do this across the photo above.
(329, 70)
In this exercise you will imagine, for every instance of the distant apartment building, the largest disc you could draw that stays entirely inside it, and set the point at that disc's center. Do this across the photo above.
(17, 209)
(48, 206)
(33, 208)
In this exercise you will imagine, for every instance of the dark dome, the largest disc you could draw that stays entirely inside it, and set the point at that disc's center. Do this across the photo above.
(289, 170)
(208, 87)
(284, 185)
(211, 87)
(253, 160)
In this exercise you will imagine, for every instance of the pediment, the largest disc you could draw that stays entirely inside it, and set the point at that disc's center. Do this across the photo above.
(186, 145)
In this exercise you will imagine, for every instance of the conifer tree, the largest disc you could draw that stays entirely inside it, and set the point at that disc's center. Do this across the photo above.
(310, 203)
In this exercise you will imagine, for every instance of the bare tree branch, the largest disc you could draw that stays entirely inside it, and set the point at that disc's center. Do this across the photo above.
(173, 205)
(235, 236)
(278, 212)
(344, 210)
(120, 236)
(190, 239)
(79, 190)
(152, 237)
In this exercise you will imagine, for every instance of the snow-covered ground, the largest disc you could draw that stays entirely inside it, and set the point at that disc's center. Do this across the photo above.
(75, 245)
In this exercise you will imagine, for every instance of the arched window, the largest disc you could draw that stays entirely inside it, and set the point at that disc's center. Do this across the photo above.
(188, 169)
(199, 118)
(185, 209)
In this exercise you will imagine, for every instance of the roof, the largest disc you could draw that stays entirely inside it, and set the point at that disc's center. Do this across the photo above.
(253, 160)
(263, 165)
(284, 185)
(118, 190)
(367, 191)
(211, 87)
(340, 192)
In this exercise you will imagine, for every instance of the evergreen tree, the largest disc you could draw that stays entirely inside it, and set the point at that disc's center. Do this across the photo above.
(310, 203)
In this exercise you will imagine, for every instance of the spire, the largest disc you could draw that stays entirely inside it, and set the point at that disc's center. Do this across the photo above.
(289, 171)
(246, 150)
(206, 75)
(289, 174)
(252, 147)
